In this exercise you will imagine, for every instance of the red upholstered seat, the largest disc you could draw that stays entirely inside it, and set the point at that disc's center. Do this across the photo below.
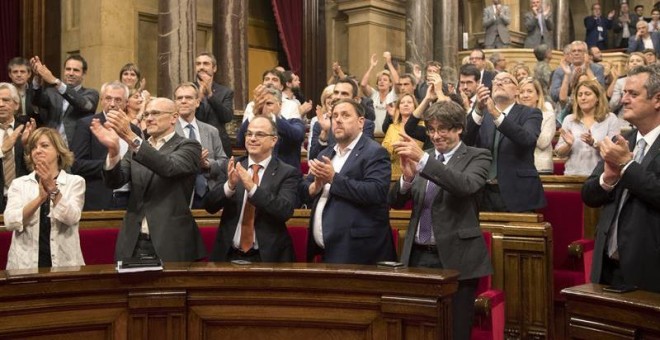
(565, 212)
(5, 242)
(299, 238)
(98, 245)
(558, 167)
(489, 323)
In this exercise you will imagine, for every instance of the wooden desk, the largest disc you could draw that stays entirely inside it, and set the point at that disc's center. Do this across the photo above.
(224, 301)
(594, 314)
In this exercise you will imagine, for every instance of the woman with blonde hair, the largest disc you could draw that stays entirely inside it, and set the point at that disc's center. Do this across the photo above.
(384, 92)
(520, 71)
(530, 93)
(590, 123)
(322, 113)
(135, 108)
(44, 207)
(403, 109)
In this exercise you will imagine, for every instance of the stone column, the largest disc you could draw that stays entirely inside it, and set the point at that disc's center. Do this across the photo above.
(446, 32)
(419, 32)
(176, 44)
(562, 24)
(230, 22)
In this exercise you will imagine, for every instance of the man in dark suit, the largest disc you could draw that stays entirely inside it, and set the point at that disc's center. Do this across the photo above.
(90, 154)
(644, 39)
(539, 24)
(322, 136)
(20, 72)
(478, 59)
(61, 105)
(347, 187)
(161, 171)
(626, 184)
(255, 209)
(510, 131)
(214, 161)
(597, 27)
(216, 101)
(12, 139)
(444, 184)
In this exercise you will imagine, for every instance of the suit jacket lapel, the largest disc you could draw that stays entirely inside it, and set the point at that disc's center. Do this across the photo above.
(354, 154)
(651, 153)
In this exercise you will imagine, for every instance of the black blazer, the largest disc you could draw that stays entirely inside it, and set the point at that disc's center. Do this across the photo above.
(274, 201)
(519, 181)
(81, 103)
(639, 220)
(218, 110)
(90, 157)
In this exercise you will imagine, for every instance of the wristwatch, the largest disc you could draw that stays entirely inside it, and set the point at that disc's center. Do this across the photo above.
(137, 141)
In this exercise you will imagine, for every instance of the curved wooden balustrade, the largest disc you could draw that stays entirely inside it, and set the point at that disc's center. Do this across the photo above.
(225, 301)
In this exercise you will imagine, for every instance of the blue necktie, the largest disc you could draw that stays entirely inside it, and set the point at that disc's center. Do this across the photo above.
(425, 223)
(201, 186)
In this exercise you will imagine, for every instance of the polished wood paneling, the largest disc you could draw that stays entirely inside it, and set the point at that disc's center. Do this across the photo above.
(224, 301)
(592, 313)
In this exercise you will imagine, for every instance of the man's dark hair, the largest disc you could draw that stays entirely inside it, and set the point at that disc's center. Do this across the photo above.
(470, 70)
(358, 108)
(412, 78)
(652, 84)
(276, 73)
(79, 58)
(483, 54)
(638, 6)
(447, 113)
(353, 85)
(18, 61)
(273, 125)
(210, 55)
(288, 77)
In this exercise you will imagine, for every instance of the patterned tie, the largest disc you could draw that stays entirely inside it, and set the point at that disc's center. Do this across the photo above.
(425, 223)
(8, 163)
(247, 225)
(613, 244)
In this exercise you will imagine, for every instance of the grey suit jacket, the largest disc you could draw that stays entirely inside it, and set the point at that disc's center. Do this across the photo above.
(82, 103)
(161, 186)
(211, 141)
(534, 36)
(455, 213)
(495, 26)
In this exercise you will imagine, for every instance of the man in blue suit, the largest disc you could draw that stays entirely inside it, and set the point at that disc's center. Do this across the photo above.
(597, 27)
(348, 186)
(510, 131)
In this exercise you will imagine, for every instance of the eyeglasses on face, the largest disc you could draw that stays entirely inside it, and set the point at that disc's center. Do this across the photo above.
(155, 113)
(439, 131)
(258, 135)
(505, 81)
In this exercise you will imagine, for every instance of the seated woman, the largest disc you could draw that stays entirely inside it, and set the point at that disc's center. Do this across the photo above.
(44, 207)
(403, 109)
(590, 123)
(531, 94)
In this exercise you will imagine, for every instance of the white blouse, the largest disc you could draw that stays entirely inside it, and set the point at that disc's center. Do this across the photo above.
(64, 218)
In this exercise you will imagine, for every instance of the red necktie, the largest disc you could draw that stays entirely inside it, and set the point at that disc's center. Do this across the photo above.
(247, 225)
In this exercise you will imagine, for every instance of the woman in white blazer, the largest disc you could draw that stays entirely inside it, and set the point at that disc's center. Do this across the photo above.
(48, 200)
(531, 94)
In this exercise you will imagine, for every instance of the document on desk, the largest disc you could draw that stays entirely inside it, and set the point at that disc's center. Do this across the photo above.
(134, 265)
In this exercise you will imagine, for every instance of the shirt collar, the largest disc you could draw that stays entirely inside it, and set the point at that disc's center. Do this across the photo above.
(264, 163)
(650, 137)
(449, 154)
(349, 147)
(162, 140)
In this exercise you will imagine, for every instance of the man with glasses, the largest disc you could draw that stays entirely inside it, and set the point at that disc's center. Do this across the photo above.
(90, 154)
(258, 197)
(478, 59)
(510, 131)
(444, 184)
(161, 172)
(214, 160)
(291, 131)
(577, 58)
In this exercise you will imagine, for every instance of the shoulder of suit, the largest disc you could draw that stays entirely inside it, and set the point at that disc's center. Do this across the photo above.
(203, 125)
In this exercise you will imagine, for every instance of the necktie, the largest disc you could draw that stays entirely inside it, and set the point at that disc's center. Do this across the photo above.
(201, 186)
(539, 17)
(613, 244)
(425, 223)
(192, 134)
(8, 163)
(44, 259)
(247, 225)
(492, 172)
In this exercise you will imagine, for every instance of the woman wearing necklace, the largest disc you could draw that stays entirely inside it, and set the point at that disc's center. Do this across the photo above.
(44, 207)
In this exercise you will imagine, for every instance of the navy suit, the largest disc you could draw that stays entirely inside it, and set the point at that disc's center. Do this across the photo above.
(519, 182)
(639, 221)
(274, 201)
(356, 226)
(82, 103)
(592, 23)
(90, 157)
(218, 110)
(315, 147)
